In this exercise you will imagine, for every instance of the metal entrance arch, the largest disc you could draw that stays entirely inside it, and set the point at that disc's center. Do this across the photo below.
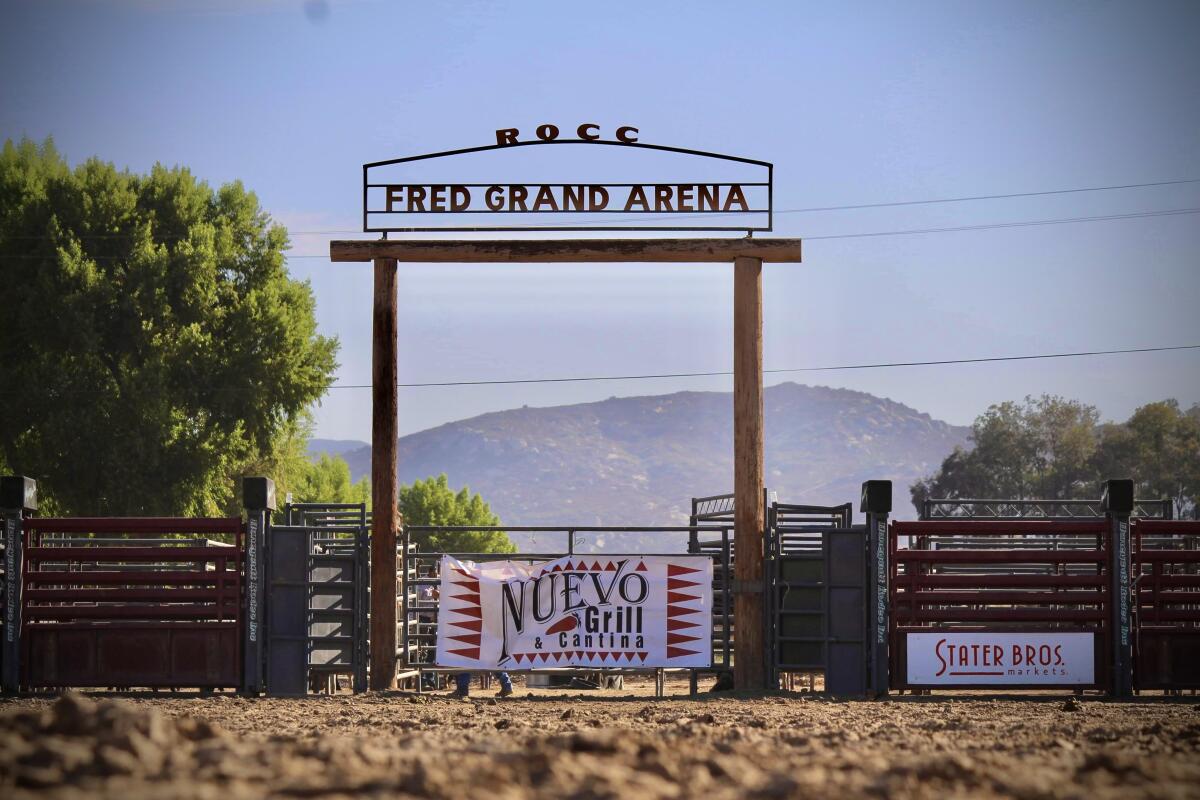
(747, 255)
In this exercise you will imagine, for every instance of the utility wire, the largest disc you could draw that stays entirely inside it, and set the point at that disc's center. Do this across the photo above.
(1170, 212)
(1023, 224)
(596, 378)
(850, 207)
(883, 365)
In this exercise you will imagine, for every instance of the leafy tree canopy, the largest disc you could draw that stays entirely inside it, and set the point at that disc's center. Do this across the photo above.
(328, 480)
(1051, 448)
(154, 345)
(433, 502)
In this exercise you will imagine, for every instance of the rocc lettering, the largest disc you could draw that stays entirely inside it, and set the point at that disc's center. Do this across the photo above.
(588, 132)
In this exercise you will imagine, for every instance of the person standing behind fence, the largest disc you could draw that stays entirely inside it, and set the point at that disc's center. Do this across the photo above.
(462, 683)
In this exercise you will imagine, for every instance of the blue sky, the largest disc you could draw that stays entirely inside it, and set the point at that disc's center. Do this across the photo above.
(853, 102)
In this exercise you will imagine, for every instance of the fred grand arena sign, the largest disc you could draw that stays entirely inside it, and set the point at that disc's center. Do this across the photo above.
(544, 181)
(593, 611)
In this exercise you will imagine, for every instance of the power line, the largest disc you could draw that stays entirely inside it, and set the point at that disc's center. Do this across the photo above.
(987, 197)
(848, 207)
(882, 365)
(889, 204)
(1171, 212)
(597, 378)
(1023, 224)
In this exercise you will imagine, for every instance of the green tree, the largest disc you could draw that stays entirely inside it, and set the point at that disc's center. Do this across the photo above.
(153, 342)
(1159, 447)
(433, 502)
(1043, 448)
(1051, 448)
(328, 480)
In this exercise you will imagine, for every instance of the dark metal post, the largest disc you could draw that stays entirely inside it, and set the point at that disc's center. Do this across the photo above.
(362, 599)
(258, 498)
(877, 504)
(1117, 503)
(18, 497)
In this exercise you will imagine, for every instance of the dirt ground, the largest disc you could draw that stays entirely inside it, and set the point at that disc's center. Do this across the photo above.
(551, 744)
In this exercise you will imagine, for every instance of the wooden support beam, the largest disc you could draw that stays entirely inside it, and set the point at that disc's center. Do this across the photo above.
(384, 489)
(567, 250)
(748, 625)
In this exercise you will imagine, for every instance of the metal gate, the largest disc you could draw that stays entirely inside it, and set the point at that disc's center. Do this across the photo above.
(817, 585)
(124, 602)
(823, 593)
(1166, 603)
(710, 512)
(1028, 576)
(318, 572)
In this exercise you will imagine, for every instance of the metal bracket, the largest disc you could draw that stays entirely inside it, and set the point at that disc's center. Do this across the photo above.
(741, 586)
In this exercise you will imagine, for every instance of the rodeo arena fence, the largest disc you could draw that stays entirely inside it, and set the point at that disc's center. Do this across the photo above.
(975, 594)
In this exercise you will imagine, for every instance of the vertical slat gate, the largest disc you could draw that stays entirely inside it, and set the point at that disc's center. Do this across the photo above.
(818, 595)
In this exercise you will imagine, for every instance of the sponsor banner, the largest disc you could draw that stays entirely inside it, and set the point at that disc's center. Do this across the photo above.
(949, 658)
(576, 611)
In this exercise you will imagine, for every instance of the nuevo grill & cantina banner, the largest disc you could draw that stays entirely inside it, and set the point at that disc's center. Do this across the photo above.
(586, 611)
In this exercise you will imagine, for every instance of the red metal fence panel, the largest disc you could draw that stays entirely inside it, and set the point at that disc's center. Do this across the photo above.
(124, 602)
(1166, 607)
(1017, 603)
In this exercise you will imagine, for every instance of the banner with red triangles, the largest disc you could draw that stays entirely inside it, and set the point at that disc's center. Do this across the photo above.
(592, 611)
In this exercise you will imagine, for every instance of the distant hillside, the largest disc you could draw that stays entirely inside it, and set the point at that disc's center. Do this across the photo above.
(640, 460)
(335, 447)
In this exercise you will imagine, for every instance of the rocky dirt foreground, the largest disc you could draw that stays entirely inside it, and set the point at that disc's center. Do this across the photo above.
(395, 745)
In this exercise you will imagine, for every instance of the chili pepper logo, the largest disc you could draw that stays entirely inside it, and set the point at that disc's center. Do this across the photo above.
(567, 623)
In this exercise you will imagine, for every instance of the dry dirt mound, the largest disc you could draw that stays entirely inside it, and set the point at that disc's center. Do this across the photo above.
(394, 746)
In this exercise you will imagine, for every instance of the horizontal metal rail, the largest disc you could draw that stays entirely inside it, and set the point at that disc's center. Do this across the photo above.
(132, 525)
(995, 508)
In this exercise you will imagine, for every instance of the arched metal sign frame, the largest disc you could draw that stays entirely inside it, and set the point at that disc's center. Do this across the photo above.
(769, 184)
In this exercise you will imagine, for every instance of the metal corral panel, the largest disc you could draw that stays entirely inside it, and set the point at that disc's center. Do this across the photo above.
(961, 581)
(1166, 568)
(129, 602)
(153, 656)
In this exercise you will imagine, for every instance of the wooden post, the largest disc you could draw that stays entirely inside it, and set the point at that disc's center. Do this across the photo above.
(384, 489)
(748, 623)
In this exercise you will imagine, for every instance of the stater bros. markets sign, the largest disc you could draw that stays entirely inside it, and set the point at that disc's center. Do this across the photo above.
(593, 611)
(954, 658)
(598, 184)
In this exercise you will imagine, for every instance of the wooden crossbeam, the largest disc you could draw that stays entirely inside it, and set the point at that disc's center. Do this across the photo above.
(567, 250)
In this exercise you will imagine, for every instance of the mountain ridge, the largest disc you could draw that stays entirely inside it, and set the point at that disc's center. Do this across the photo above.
(639, 460)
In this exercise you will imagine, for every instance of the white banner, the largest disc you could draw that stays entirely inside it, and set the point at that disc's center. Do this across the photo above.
(949, 658)
(577, 611)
